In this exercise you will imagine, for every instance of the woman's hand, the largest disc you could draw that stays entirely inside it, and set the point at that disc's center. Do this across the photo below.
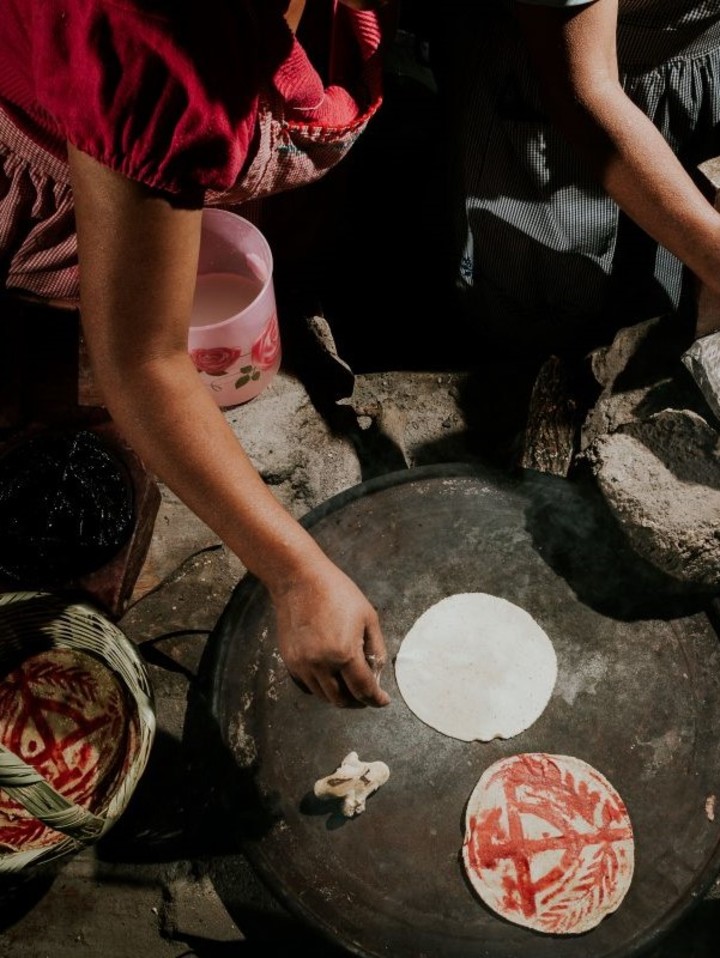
(329, 637)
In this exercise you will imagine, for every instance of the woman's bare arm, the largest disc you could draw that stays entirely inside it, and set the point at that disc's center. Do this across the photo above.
(138, 260)
(574, 53)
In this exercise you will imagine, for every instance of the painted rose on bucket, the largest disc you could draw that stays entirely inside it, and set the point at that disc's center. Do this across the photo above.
(267, 346)
(215, 361)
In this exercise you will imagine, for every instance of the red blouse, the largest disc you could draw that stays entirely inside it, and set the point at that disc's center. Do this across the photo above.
(165, 92)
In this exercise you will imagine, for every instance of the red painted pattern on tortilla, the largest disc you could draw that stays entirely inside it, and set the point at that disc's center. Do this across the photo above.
(548, 843)
(66, 714)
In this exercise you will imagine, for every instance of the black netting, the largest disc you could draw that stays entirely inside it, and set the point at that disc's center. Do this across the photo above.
(66, 507)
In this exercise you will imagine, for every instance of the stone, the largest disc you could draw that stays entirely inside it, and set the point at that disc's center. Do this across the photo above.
(660, 477)
(640, 373)
(702, 360)
(300, 457)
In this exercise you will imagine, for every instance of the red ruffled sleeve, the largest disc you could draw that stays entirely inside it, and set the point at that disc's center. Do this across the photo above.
(162, 95)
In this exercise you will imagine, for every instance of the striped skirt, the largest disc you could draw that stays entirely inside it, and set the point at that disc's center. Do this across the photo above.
(543, 256)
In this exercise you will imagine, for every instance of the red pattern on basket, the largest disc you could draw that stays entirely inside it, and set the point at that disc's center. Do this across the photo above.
(586, 828)
(68, 718)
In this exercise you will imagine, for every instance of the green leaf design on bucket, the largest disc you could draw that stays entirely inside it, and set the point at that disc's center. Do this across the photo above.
(250, 374)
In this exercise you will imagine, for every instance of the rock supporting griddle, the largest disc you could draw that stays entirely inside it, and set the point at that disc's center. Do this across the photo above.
(661, 479)
(702, 360)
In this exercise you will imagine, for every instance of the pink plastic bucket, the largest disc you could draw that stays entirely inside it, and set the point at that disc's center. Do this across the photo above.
(234, 339)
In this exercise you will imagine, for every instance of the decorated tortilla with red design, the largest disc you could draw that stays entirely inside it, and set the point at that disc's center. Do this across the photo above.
(548, 843)
(66, 714)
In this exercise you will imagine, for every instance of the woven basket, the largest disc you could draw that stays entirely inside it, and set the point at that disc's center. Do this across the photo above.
(37, 624)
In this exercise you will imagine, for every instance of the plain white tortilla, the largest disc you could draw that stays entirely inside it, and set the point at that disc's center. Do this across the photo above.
(475, 666)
